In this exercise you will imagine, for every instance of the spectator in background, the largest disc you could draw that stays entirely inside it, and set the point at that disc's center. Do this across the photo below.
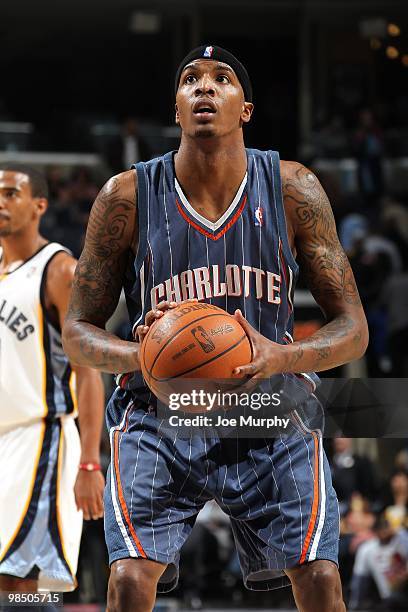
(331, 140)
(56, 181)
(368, 148)
(395, 224)
(374, 258)
(356, 527)
(71, 200)
(127, 148)
(383, 559)
(351, 474)
(396, 512)
(395, 300)
(83, 187)
(353, 228)
(401, 460)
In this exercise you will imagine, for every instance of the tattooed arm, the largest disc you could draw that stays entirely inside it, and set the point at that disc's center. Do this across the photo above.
(110, 241)
(312, 234)
(328, 274)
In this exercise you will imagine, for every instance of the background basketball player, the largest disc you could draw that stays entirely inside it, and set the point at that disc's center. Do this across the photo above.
(207, 212)
(40, 517)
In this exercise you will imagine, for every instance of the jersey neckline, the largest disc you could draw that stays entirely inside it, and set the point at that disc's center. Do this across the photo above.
(211, 225)
(6, 274)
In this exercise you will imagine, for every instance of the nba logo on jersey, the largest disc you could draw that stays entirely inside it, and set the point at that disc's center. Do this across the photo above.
(258, 217)
(208, 52)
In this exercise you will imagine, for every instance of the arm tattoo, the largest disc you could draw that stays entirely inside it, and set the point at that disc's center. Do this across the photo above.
(321, 343)
(99, 279)
(328, 275)
(108, 223)
(99, 274)
(322, 258)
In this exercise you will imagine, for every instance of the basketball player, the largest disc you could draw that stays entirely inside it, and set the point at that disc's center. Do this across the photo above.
(227, 225)
(40, 515)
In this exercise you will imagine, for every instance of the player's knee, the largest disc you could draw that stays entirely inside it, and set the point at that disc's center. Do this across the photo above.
(128, 584)
(322, 576)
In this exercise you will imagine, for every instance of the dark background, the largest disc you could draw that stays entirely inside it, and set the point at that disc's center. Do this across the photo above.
(66, 64)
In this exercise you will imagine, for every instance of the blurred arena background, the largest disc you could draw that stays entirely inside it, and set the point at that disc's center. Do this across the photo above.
(88, 87)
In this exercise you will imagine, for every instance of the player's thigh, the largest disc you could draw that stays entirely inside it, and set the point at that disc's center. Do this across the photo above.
(153, 493)
(21, 451)
(282, 501)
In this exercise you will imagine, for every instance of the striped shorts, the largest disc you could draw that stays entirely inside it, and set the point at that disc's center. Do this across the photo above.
(277, 493)
(40, 526)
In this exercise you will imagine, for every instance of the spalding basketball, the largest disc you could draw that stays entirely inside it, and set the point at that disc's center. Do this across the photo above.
(192, 341)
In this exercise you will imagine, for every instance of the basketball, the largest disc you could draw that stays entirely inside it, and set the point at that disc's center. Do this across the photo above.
(193, 341)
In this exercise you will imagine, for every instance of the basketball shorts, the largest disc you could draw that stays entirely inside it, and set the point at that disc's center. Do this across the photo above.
(40, 526)
(277, 493)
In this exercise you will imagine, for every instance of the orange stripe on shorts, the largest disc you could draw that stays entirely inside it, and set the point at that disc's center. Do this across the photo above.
(121, 496)
(315, 504)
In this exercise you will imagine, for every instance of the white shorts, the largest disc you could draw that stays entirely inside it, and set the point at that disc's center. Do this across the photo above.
(40, 525)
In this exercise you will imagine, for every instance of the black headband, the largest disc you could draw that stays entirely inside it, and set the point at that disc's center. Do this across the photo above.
(220, 55)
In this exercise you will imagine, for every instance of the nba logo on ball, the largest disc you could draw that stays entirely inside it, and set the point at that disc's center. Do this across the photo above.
(258, 216)
(208, 52)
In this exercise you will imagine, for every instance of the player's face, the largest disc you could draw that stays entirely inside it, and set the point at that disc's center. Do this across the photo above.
(18, 208)
(210, 100)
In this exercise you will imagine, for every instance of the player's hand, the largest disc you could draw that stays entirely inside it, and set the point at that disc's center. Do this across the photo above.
(268, 357)
(153, 315)
(89, 487)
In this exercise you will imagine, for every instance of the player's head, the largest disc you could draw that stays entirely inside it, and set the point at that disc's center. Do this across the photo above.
(383, 529)
(213, 93)
(23, 198)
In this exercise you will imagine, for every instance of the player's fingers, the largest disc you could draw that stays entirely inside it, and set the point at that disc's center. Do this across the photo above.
(77, 502)
(250, 331)
(98, 511)
(150, 317)
(246, 370)
(95, 510)
(84, 506)
(158, 312)
(141, 332)
(98, 504)
(163, 306)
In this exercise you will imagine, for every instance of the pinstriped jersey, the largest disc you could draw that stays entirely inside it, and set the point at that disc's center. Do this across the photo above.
(243, 260)
(35, 376)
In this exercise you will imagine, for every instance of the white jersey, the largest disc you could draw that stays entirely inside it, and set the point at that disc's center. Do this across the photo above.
(36, 380)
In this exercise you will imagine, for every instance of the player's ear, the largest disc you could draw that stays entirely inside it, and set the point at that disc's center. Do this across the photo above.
(247, 110)
(41, 205)
(177, 115)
